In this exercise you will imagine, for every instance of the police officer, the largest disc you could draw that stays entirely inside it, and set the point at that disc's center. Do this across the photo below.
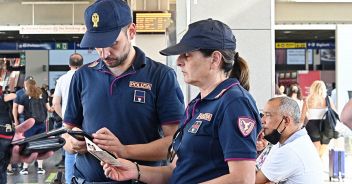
(216, 141)
(125, 97)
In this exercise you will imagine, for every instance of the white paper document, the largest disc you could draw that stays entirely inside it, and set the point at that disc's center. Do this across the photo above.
(100, 154)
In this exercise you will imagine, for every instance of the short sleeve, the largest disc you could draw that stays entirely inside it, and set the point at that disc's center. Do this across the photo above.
(277, 167)
(18, 99)
(57, 88)
(170, 102)
(74, 110)
(238, 131)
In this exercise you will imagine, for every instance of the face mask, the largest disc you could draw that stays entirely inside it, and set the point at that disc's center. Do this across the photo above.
(275, 135)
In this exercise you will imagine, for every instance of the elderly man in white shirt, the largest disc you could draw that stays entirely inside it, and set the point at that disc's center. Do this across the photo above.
(293, 158)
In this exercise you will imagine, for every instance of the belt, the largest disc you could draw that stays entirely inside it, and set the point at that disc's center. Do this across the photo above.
(6, 127)
(77, 180)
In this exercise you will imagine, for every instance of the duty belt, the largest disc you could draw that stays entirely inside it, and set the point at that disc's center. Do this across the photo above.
(6, 128)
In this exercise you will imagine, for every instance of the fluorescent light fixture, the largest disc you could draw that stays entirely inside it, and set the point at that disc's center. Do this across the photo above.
(305, 27)
(322, 1)
(53, 2)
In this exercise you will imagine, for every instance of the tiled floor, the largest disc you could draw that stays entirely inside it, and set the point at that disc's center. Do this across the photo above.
(33, 177)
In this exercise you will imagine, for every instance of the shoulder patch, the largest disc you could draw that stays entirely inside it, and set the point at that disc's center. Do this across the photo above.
(246, 125)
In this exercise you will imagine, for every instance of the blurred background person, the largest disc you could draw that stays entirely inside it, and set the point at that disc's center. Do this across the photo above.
(314, 108)
(34, 105)
(346, 114)
(294, 92)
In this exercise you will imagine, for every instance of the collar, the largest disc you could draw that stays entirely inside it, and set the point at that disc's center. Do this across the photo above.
(138, 63)
(221, 89)
(295, 136)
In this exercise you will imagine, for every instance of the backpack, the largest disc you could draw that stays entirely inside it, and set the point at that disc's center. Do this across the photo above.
(37, 109)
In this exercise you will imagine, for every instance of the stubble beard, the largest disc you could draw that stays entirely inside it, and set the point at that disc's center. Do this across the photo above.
(118, 61)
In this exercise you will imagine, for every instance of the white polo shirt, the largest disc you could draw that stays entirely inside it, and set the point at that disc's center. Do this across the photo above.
(62, 89)
(295, 161)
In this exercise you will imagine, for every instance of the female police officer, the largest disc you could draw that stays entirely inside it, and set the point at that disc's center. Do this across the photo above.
(216, 139)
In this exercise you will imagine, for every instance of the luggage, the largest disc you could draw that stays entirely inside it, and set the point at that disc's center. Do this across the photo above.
(336, 164)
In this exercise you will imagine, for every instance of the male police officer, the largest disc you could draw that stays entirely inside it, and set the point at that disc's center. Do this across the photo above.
(129, 94)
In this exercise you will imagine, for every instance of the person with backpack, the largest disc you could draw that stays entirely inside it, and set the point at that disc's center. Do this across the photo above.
(34, 106)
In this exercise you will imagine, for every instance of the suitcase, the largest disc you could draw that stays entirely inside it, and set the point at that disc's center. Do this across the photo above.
(336, 164)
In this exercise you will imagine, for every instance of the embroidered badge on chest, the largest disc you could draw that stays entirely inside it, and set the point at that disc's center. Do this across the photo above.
(195, 127)
(246, 125)
(139, 96)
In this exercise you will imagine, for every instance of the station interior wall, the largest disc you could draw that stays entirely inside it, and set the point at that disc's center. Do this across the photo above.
(253, 23)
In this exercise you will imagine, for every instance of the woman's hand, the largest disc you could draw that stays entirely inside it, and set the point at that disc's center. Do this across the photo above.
(127, 170)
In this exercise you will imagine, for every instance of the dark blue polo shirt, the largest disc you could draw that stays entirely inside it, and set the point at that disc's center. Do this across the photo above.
(19, 95)
(133, 105)
(25, 102)
(221, 127)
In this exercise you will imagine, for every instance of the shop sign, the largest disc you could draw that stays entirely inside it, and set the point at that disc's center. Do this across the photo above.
(52, 29)
(321, 45)
(290, 45)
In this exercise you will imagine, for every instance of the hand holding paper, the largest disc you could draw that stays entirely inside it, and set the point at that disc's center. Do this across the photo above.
(100, 154)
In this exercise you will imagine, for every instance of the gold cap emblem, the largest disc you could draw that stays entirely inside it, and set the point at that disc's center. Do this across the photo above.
(95, 19)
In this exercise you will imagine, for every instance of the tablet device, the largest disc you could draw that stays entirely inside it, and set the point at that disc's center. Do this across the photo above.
(42, 145)
(54, 132)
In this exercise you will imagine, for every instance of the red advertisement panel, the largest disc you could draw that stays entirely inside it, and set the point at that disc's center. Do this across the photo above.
(306, 79)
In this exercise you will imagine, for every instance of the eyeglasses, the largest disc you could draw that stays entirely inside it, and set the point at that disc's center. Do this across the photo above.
(176, 144)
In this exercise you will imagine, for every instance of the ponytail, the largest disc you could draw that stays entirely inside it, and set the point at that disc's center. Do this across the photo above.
(240, 71)
(233, 64)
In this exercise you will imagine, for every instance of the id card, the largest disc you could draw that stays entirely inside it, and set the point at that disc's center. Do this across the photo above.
(100, 154)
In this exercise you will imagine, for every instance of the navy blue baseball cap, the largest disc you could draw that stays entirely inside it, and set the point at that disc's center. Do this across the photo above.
(104, 20)
(203, 34)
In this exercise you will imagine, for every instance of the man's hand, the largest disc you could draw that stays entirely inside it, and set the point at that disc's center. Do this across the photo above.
(16, 157)
(261, 142)
(76, 146)
(106, 140)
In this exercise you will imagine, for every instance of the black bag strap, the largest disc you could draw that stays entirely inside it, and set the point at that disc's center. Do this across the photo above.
(327, 100)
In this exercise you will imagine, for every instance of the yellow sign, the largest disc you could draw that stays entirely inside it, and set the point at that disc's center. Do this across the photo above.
(152, 22)
(290, 45)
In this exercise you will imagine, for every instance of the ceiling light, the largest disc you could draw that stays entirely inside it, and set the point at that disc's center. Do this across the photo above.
(287, 32)
(322, 1)
(53, 2)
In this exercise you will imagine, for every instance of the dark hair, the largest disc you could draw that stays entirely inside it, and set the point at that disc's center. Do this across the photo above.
(294, 88)
(233, 64)
(52, 91)
(76, 61)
